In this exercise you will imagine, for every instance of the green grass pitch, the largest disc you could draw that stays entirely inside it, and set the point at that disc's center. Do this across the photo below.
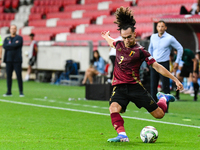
(45, 119)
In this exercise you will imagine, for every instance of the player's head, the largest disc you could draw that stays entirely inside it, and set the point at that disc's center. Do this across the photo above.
(32, 36)
(161, 27)
(126, 23)
(13, 30)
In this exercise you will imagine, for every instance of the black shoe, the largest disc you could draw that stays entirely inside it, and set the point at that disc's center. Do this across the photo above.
(195, 99)
(177, 98)
(7, 95)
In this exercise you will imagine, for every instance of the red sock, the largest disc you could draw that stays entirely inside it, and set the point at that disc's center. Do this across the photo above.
(117, 122)
(162, 104)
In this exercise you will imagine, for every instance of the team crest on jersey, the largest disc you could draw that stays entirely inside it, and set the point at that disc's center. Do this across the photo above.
(119, 49)
(131, 53)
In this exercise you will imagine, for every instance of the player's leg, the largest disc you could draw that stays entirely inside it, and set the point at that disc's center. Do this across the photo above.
(118, 123)
(115, 108)
(18, 70)
(162, 104)
(28, 73)
(9, 71)
(184, 73)
(195, 85)
(87, 76)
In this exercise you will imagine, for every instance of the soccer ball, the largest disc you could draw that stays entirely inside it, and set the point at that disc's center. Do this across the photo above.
(149, 134)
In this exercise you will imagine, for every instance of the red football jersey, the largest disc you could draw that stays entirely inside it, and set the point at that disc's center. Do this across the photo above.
(128, 62)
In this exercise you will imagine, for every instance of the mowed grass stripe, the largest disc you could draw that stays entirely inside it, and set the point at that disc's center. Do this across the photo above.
(96, 113)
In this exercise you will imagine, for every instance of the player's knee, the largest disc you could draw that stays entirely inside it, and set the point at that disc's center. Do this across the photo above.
(158, 114)
(114, 107)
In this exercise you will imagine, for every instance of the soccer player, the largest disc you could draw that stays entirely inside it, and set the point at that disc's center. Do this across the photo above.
(127, 85)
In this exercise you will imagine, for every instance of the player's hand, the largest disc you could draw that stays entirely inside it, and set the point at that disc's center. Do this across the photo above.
(105, 34)
(175, 66)
(179, 86)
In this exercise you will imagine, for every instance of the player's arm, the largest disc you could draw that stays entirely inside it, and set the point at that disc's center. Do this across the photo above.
(106, 36)
(162, 70)
(11, 46)
(175, 44)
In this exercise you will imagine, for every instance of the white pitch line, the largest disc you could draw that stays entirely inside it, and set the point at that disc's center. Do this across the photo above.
(96, 113)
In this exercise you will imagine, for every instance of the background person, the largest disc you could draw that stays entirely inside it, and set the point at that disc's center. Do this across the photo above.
(190, 66)
(97, 67)
(193, 11)
(32, 55)
(160, 47)
(13, 59)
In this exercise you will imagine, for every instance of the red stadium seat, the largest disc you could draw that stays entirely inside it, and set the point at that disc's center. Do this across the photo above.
(5, 23)
(36, 2)
(15, 4)
(98, 28)
(109, 19)
(165, 2)
(9, 16)
(61, 15)
(39, 37)
(96, 13)
(7, 4)
(80, 7)
(74, 22)
(1, 9)
(69, 2)
(53, 30)
(35, 16)
(115, 5)
(97, 1)
(37, 23)
(1, 2)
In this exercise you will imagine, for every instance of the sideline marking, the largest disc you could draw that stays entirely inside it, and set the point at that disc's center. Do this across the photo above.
(96, 113)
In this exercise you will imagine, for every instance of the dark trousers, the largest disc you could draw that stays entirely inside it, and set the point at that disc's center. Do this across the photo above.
(155, 76)
(112, 58)
(18, 70)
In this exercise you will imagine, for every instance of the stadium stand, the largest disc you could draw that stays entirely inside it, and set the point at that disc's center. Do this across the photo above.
(81, 19)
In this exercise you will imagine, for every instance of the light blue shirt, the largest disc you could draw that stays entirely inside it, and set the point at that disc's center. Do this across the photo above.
(100, 65)
(160, 47)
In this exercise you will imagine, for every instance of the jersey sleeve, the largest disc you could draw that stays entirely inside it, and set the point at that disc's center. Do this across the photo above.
(148, 58)
(115, 43)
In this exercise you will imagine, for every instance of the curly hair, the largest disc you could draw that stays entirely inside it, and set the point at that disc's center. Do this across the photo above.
(124, 19)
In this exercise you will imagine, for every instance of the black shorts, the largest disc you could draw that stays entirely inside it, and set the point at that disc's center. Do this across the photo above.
(186, 70)
(32, 60)
(125, 93)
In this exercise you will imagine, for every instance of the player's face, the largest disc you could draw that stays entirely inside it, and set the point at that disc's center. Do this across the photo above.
(161, 28)
(13, 30)
(128, 37)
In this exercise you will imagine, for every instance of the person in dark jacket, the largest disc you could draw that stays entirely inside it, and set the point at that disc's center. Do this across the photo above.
(13, 59)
